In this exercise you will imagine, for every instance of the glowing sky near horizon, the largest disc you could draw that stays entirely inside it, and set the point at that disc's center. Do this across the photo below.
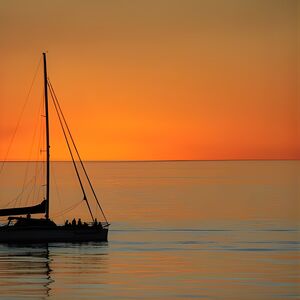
(143, 80)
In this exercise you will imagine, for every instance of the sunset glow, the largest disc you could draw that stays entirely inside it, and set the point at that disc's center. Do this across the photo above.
(178, 80)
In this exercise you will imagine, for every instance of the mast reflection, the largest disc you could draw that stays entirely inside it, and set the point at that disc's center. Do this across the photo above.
(42, 270)
(25, 270)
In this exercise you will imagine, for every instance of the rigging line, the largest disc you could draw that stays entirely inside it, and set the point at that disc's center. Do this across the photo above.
(40, 182)
(38, 171)
(68, 144)
(31, 147)
(56, 187)
(20, 117)
(36, 187)
(38, 165)
(36, 183)
(30, 191)
(33, 180)
(20, 194)
(28, 161)
(77, 152)
(42, 153)
(68, 209)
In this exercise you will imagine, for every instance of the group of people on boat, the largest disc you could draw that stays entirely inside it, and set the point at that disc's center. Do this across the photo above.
(80, 224)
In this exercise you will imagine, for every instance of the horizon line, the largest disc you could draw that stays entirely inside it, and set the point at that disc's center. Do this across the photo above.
(159, 160)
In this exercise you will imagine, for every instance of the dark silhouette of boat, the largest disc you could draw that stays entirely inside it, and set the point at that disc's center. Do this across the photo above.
(22, 228)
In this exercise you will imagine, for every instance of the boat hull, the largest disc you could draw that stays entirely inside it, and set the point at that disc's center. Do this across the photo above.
(56, 234)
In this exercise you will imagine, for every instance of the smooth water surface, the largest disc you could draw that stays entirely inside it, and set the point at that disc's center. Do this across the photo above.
(180, 230)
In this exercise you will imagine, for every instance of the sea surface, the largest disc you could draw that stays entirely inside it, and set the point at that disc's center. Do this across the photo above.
(179, 230)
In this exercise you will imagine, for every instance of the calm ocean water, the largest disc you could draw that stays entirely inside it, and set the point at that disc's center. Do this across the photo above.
(180, 230)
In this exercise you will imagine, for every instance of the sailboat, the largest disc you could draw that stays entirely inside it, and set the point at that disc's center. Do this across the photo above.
(23, 228)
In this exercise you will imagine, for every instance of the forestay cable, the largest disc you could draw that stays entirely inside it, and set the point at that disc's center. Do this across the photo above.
(77, 152)
(70, 150)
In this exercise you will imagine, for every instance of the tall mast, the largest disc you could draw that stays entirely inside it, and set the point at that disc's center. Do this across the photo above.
(47, 138)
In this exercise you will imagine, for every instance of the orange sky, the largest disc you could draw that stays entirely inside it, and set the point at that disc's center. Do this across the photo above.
(156, 79)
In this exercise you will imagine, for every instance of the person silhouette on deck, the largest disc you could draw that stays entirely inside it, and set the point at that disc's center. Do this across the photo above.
(74, 222)
(95, 222)
(79, 223)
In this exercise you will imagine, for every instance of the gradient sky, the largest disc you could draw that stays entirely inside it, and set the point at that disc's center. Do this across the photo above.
(154, 79)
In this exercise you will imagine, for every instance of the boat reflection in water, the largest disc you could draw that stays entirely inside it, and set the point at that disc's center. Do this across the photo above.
(40, 270)
(26, 270)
